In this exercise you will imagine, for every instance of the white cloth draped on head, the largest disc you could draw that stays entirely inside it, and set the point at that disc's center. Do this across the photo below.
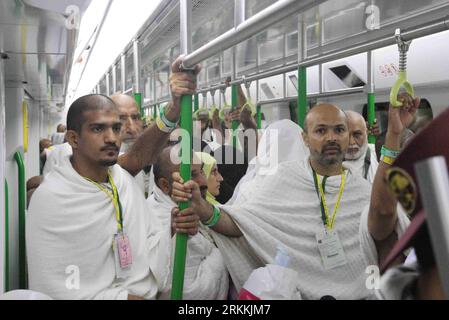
(358, 166)
(281, 141)
(70, 228)
(283, 208)
(206, 277)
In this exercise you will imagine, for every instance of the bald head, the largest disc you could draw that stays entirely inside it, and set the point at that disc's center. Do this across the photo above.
(326, 134)
(356, 119)
(324, 111)
(91, 102)
(132, 124)
(358, 136)
(168, 162)
(123, 101)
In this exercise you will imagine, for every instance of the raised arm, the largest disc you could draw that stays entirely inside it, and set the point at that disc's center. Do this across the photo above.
(149, 144)
(382, 216)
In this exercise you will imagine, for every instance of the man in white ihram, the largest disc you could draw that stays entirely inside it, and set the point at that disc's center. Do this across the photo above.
(89, 214)
(361, 156)
(297, 208)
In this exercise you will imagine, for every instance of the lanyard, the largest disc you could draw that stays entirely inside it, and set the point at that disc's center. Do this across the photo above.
(320, 189)
(115, 200)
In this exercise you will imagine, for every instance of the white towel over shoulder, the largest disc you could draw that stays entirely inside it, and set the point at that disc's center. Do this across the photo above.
(206, 277)
(283, 208)
(70, 228)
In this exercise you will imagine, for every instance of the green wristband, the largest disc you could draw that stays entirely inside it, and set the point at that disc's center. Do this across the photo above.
(167, 122)
(389, 153)
(214, 219)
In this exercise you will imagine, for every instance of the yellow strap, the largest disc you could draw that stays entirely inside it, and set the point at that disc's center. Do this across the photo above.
(337, 204)
(114, 197)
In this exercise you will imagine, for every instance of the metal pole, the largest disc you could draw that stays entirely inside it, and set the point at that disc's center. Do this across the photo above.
(22, 207)
(371, 111)
(137, 91)
(6, 271)
(433, 27)
(186, 149)
(257, 23)
(433, 184)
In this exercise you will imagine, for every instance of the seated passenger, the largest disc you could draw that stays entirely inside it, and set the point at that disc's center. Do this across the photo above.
(361, 156)
(297, 207)
(89, 234)
(206, 277)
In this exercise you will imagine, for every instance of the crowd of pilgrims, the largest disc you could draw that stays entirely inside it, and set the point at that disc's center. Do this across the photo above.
(107, 201)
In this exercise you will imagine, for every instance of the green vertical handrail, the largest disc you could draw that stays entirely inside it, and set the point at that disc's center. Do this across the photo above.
(22, 206)
(302, 95)
(138, 98)
(259, 116)
(186, 157)
(154, 112)
(196, 104)
(6, 271)
(235, 123)
(371, 115)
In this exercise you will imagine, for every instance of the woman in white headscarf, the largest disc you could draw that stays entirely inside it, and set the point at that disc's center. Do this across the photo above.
(281, 141)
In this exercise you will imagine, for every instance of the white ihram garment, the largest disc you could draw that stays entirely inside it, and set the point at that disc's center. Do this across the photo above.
(284, 209)
(70, 226)
(206, 277)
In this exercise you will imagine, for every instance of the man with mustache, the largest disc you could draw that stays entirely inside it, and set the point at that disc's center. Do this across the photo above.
(89, 234)
(316, 208)
(206, 277)
(132, 128)
(361, 156)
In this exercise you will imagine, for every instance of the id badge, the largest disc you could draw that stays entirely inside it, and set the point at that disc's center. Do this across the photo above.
(123, 255)
(331, 250)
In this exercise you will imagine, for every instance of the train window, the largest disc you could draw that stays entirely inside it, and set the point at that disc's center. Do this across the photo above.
(129, 70)
(118, 77)
(391, 10)
(210, 19)
(148, 81)
(111, 83)
(246, 55)
(213, 72)
(226, 63)
(253, 7)
(276, 111)
(292, 43)
(103, 86)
